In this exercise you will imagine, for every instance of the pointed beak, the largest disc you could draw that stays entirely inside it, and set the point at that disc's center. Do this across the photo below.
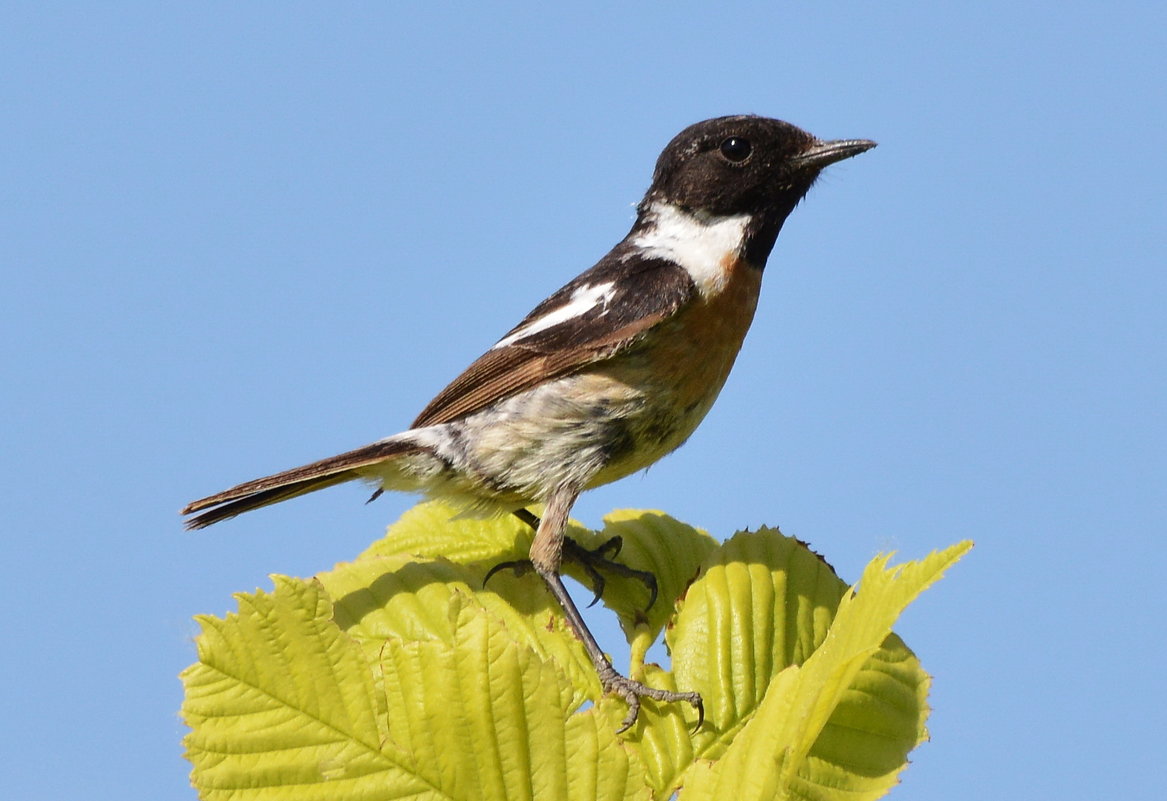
(820, 154)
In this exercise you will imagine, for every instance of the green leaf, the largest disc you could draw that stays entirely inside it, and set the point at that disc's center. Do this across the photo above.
(280, 697)
(399, 676)
(764, 602)
(381, 599)
(285, 706)
(484, 717)
(664, 737)
(780, 753)
(434, 529)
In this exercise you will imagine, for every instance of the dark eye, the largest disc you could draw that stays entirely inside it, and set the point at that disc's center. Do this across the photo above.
(736, 149)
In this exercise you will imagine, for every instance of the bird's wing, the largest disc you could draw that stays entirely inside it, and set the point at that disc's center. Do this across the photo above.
(599, 314)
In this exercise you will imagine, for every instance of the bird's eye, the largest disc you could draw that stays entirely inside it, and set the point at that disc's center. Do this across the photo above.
(736, 149)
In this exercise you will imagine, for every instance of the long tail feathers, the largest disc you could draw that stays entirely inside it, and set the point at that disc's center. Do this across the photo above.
(290, 483)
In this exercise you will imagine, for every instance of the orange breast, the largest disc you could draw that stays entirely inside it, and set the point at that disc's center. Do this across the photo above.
(681, 366)
(696, 350)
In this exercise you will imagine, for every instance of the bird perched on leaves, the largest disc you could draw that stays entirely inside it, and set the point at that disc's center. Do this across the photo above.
(608, 374)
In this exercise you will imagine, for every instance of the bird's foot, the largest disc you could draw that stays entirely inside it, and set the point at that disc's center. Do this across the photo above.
(603, 558)
(632, 691)
(592, 561)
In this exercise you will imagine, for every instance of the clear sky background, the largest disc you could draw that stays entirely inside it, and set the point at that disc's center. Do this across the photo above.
(238, 237)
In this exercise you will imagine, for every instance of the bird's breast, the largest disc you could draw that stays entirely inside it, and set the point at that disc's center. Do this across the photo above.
(679, 368)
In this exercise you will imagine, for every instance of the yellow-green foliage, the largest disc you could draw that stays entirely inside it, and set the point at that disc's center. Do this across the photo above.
(398, 676)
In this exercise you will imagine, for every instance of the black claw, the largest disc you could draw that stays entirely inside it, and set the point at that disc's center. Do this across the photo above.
(597, 584)
(601, 558)
(649, 581)
(520, 566)
(613, 544)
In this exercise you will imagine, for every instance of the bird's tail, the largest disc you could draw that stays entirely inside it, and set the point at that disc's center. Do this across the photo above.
(290, 483)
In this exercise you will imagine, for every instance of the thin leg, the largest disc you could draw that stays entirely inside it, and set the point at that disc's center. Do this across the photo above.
(546, 553)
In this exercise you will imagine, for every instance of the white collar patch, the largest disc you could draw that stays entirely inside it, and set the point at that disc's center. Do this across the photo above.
(699, 243)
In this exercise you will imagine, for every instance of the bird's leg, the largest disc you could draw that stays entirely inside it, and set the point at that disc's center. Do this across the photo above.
(546, 554)
(592, 560)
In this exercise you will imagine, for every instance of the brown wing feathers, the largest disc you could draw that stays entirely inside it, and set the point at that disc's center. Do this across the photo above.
(570, 346)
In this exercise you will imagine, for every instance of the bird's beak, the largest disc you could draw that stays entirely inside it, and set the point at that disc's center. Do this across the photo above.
(820, 154)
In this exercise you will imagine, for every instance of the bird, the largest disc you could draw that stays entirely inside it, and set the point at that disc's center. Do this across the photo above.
(609, 373)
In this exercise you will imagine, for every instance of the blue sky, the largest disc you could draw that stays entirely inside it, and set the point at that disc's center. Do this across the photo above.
(235, 239)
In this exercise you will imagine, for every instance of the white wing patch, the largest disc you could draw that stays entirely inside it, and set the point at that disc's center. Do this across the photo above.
(700, 243)
(582, 301)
